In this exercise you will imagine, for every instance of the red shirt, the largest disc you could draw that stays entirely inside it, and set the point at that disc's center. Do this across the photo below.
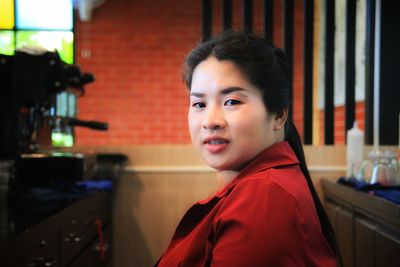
(264, 217)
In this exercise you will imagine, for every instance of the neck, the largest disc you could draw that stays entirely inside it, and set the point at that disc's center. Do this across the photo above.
(224, 177)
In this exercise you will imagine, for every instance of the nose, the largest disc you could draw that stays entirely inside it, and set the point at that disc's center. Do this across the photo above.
(213, 119)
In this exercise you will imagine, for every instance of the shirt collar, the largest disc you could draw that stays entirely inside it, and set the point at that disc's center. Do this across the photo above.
(277, 155)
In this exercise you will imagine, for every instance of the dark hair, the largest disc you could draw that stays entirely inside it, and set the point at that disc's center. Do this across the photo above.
(267, 68)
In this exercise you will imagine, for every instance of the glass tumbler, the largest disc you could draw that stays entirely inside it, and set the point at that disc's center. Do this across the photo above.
(384, 168)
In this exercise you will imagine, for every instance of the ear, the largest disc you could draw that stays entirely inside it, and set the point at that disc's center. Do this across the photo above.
(280, 120)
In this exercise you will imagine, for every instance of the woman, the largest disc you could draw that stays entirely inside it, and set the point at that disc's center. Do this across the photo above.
(267, 212)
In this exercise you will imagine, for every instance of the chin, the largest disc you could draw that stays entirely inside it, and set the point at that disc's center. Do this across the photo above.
(221, 165)
(215, 164)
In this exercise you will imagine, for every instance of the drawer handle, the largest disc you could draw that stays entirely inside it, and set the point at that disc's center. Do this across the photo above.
(104, 247)
(42, 262)
(88, 222)
(79, 238)
(74, 237)
(43, 243)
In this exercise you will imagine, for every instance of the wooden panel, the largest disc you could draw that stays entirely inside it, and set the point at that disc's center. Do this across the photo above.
(148, 207)
(186, 155)
(387, 248)
(331, 212)
(364, 243)
(344, 234)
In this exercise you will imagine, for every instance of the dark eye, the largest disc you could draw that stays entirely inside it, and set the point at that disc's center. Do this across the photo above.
(232, 102)
(199, 105)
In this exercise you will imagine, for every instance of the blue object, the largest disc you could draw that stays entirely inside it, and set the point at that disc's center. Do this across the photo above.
(102, 185)
(391, 193)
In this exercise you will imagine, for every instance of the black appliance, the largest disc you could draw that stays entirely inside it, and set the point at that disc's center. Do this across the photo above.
(28, 89)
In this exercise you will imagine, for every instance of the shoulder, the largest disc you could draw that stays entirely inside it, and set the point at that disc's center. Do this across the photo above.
(279, 195)
(264, 194)
(289, 181)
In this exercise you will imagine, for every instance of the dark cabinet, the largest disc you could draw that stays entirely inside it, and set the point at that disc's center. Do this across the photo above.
(387, 247)
(367, 227)
(92, 256)
(77, 236)
(39, 246)
(363, 234)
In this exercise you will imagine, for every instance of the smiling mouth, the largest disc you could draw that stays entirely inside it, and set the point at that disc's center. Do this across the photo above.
(216, 145)
(217, 142)
(214, 140)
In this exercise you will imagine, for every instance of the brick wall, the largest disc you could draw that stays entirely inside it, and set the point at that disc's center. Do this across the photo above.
(135, 49)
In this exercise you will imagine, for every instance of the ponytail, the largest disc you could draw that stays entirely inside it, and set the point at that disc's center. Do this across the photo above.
(293, 138)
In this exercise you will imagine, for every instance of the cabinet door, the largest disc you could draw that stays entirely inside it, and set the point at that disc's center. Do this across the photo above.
(387, 248)
(344, 234)
(364, 232)
(331, 212)
(40, 245)
(10, 254)
(73, 237)
(91, 256)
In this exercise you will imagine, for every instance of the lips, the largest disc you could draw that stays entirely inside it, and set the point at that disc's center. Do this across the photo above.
(215, 144)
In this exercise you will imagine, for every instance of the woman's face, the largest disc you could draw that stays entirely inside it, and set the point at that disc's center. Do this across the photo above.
(228, 121)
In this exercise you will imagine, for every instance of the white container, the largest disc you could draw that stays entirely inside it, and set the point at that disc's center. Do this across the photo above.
(355, 146)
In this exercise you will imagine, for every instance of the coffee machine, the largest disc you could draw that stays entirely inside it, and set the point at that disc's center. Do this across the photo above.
(30, 82)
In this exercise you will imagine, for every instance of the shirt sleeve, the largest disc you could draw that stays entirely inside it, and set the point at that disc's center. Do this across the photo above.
(257, 226)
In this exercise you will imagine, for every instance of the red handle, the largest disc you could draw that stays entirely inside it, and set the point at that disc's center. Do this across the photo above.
(102, 250)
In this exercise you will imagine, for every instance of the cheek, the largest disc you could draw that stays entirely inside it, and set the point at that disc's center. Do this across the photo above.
(193, 123)
(250, 122)
(253, 128)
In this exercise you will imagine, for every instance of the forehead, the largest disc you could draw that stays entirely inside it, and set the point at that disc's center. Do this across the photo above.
(218, 74)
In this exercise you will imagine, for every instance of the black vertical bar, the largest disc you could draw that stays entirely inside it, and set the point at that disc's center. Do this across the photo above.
(308, 49)
(268, 20)
(350, 102)
(389, 108)
(247, 15)
(206, 19)
(329, 72)
(226, 14)
(369, 72)
(288, 39)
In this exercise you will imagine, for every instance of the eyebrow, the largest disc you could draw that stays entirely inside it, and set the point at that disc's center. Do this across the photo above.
(225, 91)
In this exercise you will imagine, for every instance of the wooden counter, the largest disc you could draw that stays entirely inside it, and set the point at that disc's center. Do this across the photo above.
(367, 227)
